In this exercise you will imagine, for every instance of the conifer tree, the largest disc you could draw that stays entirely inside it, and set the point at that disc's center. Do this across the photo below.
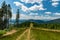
(17, 18)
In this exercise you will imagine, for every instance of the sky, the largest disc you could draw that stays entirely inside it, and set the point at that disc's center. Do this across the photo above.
(35, 9)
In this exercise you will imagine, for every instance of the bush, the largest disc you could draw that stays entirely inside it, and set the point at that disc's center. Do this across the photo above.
(2, 32)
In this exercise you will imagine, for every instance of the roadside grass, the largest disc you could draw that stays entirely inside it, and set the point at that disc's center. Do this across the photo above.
(13, 36)
(45, 35)
(24, 37)
(2, 32)
(35, 34)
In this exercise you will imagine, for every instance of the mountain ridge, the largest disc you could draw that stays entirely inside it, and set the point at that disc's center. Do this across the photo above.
(38, 21)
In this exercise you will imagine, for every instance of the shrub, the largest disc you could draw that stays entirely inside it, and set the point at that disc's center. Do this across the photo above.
(2, 32)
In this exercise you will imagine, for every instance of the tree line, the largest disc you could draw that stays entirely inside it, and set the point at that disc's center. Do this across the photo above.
(48, 25)
(6, 15)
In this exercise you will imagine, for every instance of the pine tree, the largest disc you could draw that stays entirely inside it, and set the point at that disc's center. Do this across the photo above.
(4, 9)
(9, 13)
(17, 18)
(6, 14)
(1, 20)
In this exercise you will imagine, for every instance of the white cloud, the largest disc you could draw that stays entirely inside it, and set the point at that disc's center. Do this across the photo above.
(37, 7)
(57, 14)
(31, 1)
(27, 17)
(17, 3)
(47, 12)
(22, 15)
(55, 0)
(13, 16)
(33, 14)
(24, 8)
(55, 4)
(32, 8)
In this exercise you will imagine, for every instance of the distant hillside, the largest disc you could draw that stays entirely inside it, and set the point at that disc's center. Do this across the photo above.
(27, 24)
(45, 22)
(31, 20)
(36, 21)
(54, 21)
(20, 21)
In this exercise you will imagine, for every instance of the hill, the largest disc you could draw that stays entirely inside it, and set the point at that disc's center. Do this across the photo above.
(37, 21)
(54, 21)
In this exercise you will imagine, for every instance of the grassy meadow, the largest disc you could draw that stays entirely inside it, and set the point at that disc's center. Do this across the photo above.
(35, 34)
(32, 33)
(45, 35)
(13, 36)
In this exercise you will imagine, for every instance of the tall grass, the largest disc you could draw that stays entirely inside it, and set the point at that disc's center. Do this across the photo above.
(45, 35)
(13, 36)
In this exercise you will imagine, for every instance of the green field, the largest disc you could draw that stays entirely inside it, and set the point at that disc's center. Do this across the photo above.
(13, 36)
(35, 34)
(45, 35)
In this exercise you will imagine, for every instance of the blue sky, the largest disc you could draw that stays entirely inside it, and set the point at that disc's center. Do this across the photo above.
(35, 9)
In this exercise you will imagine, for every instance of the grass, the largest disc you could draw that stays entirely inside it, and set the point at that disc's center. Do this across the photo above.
(35, 35)
(2, 32)
(13, 36)
(24, 37)
(45, 35)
